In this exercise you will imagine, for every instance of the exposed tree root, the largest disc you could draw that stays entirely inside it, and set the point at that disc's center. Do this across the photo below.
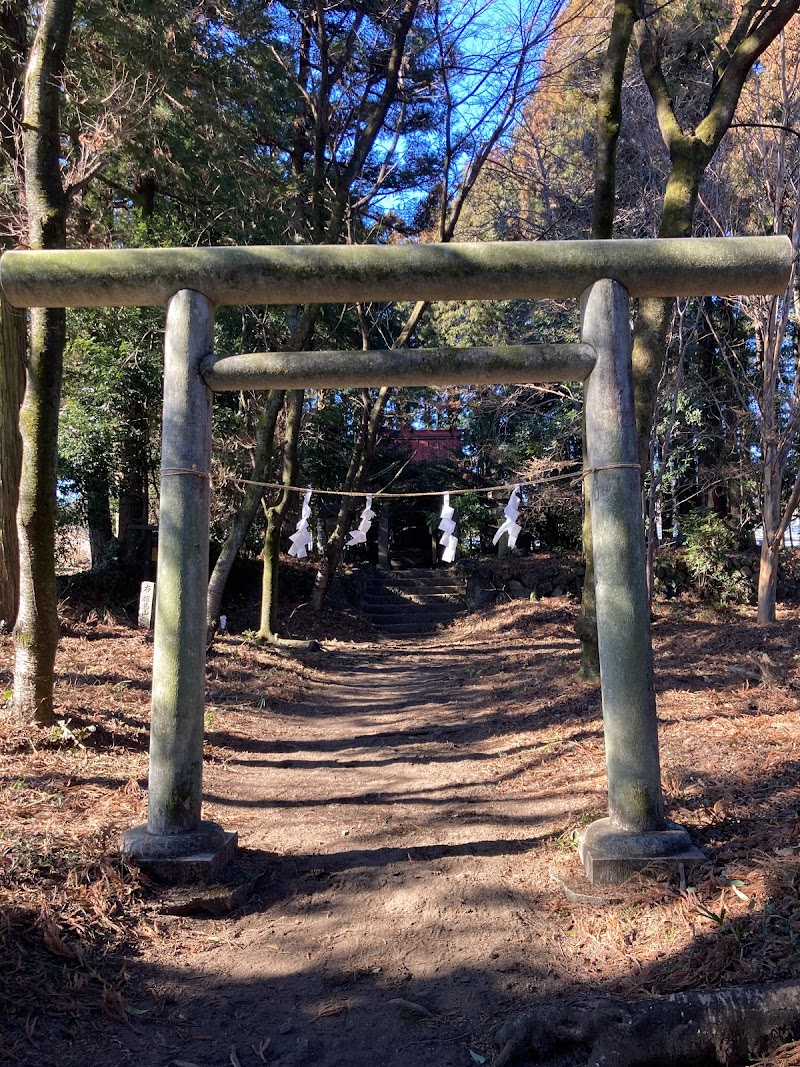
(712, 1028)
(299, 644)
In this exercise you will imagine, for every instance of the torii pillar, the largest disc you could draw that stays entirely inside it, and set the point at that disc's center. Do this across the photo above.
(635, 833)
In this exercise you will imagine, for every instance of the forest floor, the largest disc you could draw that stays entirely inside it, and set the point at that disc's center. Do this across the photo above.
(406, 812)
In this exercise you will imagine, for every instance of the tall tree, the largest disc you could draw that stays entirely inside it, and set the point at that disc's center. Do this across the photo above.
(13, 335)
(358, 76)
(692, 134)
(37, 628)
(762, 172)
(607, 131)
(480, 93)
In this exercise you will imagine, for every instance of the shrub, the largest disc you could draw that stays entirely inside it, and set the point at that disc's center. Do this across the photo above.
(708, 547)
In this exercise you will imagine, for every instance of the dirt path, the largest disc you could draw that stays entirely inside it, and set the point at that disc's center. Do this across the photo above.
(396, 808)
(410, 809)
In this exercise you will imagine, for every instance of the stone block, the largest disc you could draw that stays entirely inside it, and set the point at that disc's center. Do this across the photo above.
(181, 859)
(610, 856)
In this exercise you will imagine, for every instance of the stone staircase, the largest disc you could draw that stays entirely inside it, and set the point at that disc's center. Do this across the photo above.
(411, 601)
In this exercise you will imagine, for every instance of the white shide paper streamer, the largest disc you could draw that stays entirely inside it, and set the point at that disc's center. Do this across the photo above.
(510, 526)
(359, 536)
(448, 540)
(301, 539)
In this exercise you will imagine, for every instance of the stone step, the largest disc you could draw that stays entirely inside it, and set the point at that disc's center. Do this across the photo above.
(408, 583)
(412, 601)
(390, 611)
(408, 629)
(429, 578)
(406, 591)
(383, 596)
(421, 587)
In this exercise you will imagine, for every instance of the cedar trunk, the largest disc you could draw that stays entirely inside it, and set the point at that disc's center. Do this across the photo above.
(246, 512)
(13, 339)
(609, 123)
(12, 387)
(36, 630)
(272, 539)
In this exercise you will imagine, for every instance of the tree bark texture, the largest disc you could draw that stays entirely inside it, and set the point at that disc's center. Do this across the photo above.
(14, 37)
(13, 343)
(13, 335)
(609, 119)
(609, 123)
(778, 435)
(272, 538)
(133, 494)
(246, 512)
(98, 516)
(722, 1027)
(36, 630)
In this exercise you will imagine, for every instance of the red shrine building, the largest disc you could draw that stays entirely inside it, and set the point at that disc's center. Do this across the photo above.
(430, 446)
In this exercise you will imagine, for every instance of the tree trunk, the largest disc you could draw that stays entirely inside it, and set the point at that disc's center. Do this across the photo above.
(12, 388)
(690, 154)
(771, 499)
(13, 336)
(355, 481)
(272, 539)
(768, 580)
(133, 495)
(360, 460)
(722, 1027)
(608, 125)
(98, 518)
(246, 512)
(609, 119)
(36, 630)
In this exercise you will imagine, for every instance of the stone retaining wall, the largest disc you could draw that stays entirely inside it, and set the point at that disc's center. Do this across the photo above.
(491, 580)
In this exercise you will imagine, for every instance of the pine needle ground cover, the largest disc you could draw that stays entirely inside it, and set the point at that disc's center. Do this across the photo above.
(411, 809)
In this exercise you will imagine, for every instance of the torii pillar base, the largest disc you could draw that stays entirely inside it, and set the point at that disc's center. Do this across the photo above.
(610, 856)
(179, 859)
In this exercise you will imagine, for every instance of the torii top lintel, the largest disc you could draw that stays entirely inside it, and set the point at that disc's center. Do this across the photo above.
(291, 274)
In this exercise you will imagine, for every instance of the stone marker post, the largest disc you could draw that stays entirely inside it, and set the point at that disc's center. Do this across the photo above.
(147, 596)
(636, 832)
(175, 844)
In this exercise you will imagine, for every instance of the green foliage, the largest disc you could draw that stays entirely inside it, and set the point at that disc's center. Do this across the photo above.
(475, 523)
(708, 546)
(111, 399)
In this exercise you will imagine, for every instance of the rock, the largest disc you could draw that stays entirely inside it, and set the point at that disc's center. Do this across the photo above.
(480, 593)
(546, 589)
(558, 591)
(517, 591)
(217, 900)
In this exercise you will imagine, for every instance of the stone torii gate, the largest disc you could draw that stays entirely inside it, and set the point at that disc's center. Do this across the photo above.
(175, 843)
